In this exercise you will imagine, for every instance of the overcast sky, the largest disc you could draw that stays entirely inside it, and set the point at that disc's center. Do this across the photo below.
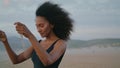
(92, 18)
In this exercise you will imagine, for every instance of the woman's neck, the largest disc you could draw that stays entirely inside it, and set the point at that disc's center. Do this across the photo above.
(51, 37)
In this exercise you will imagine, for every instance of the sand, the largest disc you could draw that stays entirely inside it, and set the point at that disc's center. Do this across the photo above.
(79, 58)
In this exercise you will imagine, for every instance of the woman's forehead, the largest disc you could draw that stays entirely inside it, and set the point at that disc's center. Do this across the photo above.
(40, 20)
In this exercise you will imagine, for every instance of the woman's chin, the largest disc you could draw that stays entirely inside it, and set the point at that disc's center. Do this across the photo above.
(42, 36)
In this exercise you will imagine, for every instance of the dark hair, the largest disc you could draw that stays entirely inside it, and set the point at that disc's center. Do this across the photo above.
(57, 17)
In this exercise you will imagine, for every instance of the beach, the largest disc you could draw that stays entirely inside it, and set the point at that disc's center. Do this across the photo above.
(93, 57)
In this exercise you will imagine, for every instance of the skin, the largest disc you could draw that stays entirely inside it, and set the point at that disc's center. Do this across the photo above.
(45, 30)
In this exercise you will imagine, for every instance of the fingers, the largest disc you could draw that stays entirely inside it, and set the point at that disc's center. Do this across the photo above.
(19, 27)
(22, 29)
(1, 33)
(2, 36)
(18, 23)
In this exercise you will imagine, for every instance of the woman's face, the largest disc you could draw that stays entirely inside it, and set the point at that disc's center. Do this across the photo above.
(43, 26)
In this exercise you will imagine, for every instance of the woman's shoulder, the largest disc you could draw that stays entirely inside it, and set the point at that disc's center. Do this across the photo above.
(61, 43)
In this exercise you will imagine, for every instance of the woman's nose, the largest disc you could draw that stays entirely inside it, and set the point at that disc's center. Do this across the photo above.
(39, 30)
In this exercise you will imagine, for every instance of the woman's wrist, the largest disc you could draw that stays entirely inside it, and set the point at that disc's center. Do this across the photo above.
(5, 42)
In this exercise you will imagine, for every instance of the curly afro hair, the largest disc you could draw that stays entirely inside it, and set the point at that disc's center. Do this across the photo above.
(58, 17)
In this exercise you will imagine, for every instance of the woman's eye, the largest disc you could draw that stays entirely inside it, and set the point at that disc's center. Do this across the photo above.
(41, 25)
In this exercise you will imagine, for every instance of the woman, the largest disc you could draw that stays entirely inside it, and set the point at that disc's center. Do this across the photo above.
(54, 24)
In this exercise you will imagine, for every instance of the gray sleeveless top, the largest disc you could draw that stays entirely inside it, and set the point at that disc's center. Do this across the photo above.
(37, 62)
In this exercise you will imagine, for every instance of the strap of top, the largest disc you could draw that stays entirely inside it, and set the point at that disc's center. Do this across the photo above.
(52, 46)
(39, 41)
(55, 42)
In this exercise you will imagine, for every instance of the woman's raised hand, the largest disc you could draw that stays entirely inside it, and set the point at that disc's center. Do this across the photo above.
(22, 29)
(3, 37)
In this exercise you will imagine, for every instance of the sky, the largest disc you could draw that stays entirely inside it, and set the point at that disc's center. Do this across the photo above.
(93, 19)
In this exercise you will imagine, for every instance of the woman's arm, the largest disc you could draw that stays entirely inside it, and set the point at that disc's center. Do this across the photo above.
(10, 52)
(45, 58)
(18, 58)
(15, 58)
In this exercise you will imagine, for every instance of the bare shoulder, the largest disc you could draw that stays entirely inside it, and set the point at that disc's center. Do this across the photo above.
(61, 44)
(59, 49)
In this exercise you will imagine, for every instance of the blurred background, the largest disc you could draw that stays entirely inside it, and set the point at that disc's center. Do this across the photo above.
(95, 41)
